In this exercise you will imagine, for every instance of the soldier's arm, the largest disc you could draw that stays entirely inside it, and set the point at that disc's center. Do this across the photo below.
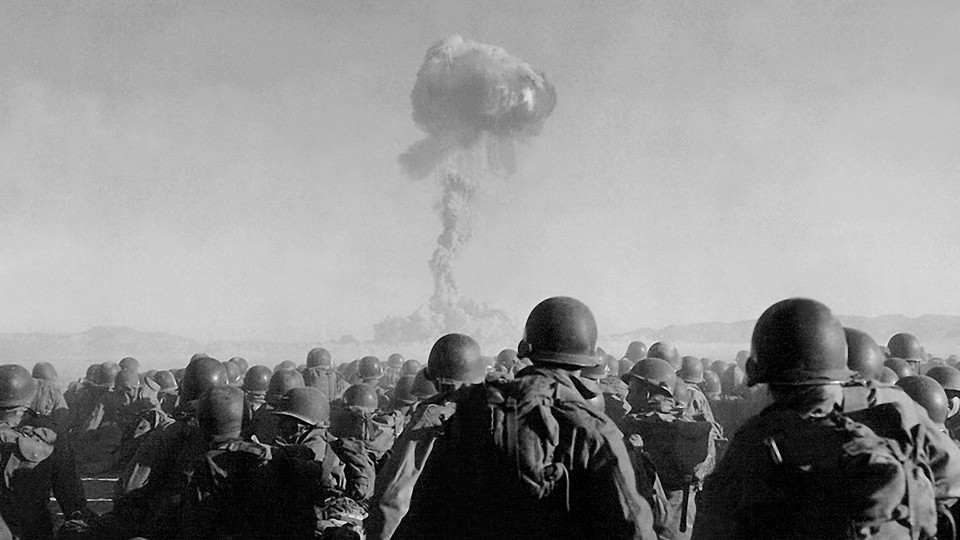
(146, 459)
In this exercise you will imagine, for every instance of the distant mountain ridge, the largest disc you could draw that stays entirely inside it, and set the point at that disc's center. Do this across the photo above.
(940, 334)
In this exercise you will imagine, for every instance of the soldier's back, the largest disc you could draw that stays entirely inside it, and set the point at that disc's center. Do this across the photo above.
(554, 468)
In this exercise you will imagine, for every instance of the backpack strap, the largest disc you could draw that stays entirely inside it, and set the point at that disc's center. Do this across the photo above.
(512, 428)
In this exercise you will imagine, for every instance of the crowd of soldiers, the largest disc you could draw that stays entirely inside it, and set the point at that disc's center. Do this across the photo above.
(817, 432)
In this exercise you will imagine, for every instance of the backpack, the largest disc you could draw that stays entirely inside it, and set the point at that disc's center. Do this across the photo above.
(842, 479)
(229, 491)
(506, 439)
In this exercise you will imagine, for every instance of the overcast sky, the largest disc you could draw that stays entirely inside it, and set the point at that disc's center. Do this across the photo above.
(229, 170)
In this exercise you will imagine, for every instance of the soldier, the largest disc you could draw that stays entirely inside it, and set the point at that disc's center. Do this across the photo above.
(45, 371)
(264, 425)
(691, 370)
(900, 367)
(949, 379)
(169, 393)
(129, 364)
(392, 372)
(95, 447)
(907, 347)
(928, 393)
(241, 363)
(454, 360)
(403, 398)
(320, 374)
(286, 364)
(711, 389)
(718, 367)
(150, 489)
(47, 407)
(506, 364)
(803, 469)
(33, 464)
(256, 382)
(365, 434)
(234, 374)
(370, 372)
(680, 443)
(534, 446)
(232, 491)
(665, 350)
(99, 381)
(863, 354)
(636, 351)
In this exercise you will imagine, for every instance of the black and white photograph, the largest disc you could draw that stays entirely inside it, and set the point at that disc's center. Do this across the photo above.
(501, 269)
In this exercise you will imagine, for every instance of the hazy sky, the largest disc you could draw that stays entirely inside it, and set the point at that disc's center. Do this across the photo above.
(229, 169)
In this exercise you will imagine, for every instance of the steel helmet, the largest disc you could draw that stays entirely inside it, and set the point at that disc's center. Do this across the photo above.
(410, 367)
(166, 380)
(507, 359)
(706, 363)
(953, 360)
(732, 379)
(45, 371)
(665, 350)
(130, 363)
(403, 392)
(17, 387)
(798, 342)
(201, 375)
(362, 396)
(422, 386)
(220, 410)
(456, 358)
(108, 372)
(286, 364)
(718, 367)
(126, 379)
(92, 372)
(863, 354)
(906, 346)
(560, 330)
(281, 382)
(257, 379)
(636, 350)
(948, 377)
(691, 370)
(369, 368)
(319, 357)
(240, 362)
(308, 405)
(234, 374)
(928, 394)
(655, 371)
(711, 383)
(887, 375)
(900, 367)
(395, 360)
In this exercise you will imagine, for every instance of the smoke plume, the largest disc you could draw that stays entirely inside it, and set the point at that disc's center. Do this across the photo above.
(474, 102)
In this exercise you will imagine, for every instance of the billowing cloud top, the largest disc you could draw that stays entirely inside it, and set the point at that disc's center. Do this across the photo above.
(464, 86)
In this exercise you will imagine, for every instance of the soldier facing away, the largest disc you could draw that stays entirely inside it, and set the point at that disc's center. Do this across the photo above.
(530, 458)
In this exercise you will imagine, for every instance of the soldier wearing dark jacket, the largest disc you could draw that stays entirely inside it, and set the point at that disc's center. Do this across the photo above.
(149, 491)
(33, 464)
(831, 457)
(501, 483)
